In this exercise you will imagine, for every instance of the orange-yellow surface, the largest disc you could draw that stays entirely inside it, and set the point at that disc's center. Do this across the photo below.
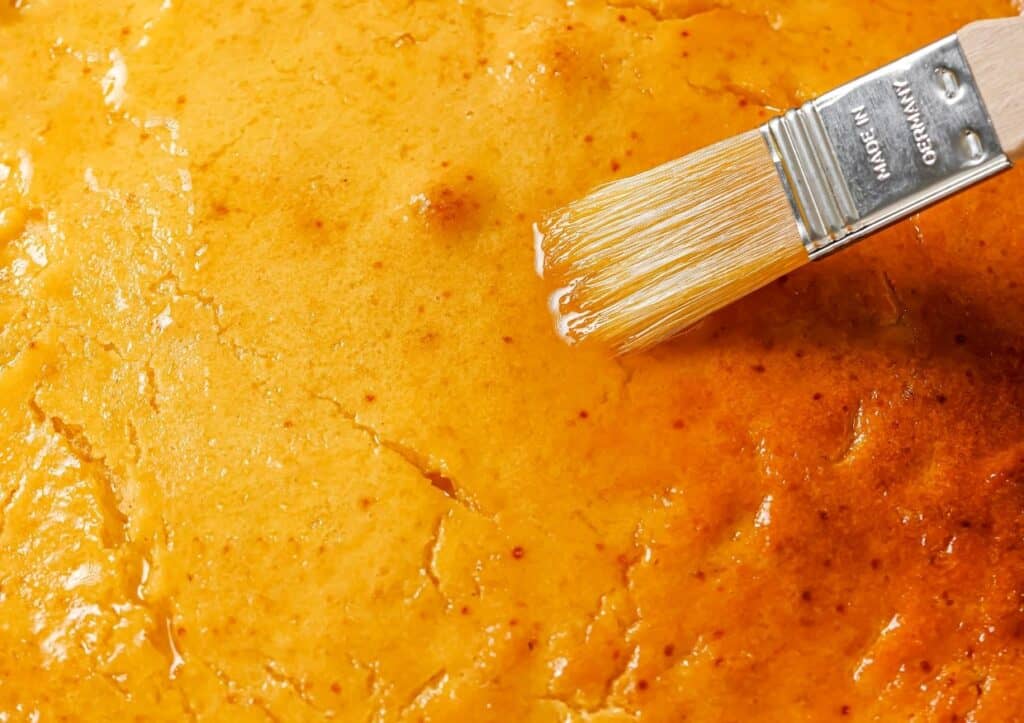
(287, 434)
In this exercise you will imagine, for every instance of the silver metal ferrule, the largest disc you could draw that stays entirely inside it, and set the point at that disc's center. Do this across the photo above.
(883, 147)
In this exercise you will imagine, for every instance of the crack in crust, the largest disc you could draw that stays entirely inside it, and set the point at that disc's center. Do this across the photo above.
(117, 534)
(422, 694)
(420, 462)
(856, 436)
(430, 552)
(299, 686)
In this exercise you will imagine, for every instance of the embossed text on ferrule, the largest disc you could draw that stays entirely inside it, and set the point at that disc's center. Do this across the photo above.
(912, 113)
(872, 146)
(883, 146)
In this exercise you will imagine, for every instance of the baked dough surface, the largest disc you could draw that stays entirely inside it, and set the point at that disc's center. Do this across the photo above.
(287, 434)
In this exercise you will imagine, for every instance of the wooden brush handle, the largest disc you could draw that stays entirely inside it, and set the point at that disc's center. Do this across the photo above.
(995, 50)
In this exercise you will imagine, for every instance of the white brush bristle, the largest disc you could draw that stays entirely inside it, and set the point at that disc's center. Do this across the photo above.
(640, 259)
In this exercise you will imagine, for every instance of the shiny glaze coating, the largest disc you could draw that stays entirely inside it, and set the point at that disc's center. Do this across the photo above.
(287, 434)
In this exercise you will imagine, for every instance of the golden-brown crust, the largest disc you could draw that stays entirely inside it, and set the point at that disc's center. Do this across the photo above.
(287, 432)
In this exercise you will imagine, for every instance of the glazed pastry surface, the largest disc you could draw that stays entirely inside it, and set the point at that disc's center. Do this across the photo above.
(288, 434)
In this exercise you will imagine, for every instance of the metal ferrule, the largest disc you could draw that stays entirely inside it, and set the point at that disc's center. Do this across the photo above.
(883, 147)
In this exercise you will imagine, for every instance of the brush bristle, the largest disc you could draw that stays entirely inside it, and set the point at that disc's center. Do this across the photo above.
(640, 259)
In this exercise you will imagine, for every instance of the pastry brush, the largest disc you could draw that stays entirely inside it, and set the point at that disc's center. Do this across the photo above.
(642, 258)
